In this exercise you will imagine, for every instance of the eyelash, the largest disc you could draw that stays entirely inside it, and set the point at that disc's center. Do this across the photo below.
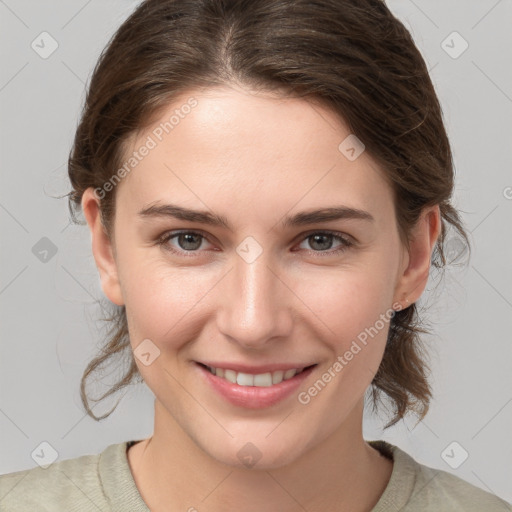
(166, 237)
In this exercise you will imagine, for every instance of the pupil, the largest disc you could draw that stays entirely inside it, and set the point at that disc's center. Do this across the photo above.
(187, 238)
(325, 245)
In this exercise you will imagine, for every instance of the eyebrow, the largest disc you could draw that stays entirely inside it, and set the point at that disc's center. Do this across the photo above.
(300, 219)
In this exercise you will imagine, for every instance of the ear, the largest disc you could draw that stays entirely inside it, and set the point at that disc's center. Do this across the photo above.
(102, 248)
(415, 268)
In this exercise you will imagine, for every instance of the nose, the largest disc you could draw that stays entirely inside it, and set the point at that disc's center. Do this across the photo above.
(256, 304)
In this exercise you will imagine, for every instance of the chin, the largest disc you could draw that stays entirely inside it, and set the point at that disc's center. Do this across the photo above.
(260, 454)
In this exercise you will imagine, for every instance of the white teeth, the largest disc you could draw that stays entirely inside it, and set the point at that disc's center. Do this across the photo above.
(263, 379)
(230, 375)
(245, 379)
(259, 380)
(277, 377)
(289, 373)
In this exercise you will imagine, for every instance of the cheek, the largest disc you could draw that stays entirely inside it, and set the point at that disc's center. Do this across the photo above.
(355, 313)
(354, 309)
(160, 300)
(348, 300)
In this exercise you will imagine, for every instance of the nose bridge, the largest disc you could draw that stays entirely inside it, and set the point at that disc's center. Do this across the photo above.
(254, 309)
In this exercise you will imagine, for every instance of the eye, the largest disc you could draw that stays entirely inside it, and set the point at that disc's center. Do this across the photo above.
(188, 241)
(191, 241)
(321, 241)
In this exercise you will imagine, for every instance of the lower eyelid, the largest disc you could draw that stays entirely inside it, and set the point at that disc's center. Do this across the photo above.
(167, 237)
(345, 242)
(344, 245)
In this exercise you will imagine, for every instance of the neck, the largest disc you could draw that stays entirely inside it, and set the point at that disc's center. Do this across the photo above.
(343, 471)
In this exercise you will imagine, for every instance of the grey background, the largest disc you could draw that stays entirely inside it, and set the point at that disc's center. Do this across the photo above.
(48, 314)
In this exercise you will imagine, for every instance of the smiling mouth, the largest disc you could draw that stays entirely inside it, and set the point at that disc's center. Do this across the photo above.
(262, 380)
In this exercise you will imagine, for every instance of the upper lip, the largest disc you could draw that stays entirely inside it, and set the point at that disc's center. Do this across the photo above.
(255, 369)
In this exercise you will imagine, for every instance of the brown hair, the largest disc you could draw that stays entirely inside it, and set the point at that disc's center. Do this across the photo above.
(354, 56)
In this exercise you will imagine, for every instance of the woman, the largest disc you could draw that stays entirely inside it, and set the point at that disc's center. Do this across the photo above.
(267, 184)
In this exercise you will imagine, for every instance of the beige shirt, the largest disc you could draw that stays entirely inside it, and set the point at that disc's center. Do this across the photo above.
(103, 482)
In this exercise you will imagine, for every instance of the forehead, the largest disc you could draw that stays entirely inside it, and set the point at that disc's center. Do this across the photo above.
(241, 149)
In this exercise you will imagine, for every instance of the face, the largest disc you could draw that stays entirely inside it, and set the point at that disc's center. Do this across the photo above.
(268, 289)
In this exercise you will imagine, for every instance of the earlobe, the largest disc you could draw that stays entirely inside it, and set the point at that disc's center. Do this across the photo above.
(423, 238)
(102, 248)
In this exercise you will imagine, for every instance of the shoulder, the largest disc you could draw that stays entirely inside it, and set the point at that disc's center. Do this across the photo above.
(437, 488)
(424, 488)
(72, 484)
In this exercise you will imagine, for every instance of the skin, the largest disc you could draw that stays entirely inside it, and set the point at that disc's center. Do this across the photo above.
(255, 158)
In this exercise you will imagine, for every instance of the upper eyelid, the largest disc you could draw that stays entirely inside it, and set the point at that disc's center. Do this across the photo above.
(168, 235)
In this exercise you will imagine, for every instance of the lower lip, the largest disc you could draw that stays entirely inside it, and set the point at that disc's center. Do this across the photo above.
(254, 397)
